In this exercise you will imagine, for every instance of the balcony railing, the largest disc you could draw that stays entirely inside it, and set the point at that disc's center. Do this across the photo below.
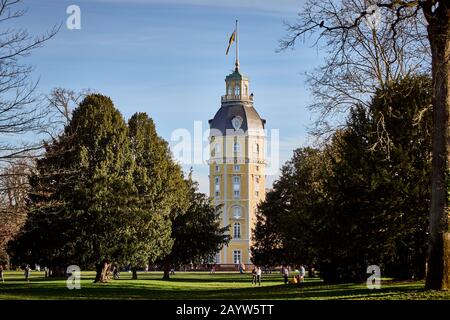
(235, 97)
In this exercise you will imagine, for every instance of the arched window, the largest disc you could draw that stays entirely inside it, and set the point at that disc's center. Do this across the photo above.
(237, 230)
(237, 212)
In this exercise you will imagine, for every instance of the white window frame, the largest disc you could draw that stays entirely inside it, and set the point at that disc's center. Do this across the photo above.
(237, 212)
(217, 149)
(237, 90)
(237, 230)
(237, 253)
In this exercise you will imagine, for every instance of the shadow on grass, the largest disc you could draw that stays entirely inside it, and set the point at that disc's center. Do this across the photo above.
(198, 286)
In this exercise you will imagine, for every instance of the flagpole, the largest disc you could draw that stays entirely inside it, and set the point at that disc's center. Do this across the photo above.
(237, 45)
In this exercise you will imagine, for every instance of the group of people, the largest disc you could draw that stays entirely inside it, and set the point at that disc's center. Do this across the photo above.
(285, 270)
(299, 278)
(256, 275)
(26, 268)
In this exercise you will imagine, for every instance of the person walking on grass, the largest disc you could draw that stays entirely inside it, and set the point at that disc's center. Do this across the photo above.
(301, 273)
(258, 276)
(285, 272)
(27, 273)
(254, 275)
(1, 273)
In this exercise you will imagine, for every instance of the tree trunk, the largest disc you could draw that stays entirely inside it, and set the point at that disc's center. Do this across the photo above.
(438, 273)
(166, 275)
(57, 272)
(134, 272)
(102, 272)
(311, 271)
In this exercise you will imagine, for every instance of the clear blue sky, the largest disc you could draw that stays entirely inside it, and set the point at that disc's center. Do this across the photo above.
(167, 58)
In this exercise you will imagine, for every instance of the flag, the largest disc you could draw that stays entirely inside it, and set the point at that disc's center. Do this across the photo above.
(233, 36)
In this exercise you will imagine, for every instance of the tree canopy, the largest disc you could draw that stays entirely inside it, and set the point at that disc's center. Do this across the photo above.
(197, 233)
(356, 203)
(102, 193)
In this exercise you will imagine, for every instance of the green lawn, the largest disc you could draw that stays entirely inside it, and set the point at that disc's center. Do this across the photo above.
(202, 285)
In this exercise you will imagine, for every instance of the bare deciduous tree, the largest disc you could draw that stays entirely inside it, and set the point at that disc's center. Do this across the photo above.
(21, 109)
(61, 103)
(362, 54)
(13, 197)
(400, 15)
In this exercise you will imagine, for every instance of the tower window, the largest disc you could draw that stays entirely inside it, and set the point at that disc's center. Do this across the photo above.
(237, 212)
(216, 186)
(237, 230)
(237, 147)
(236, 186)
(237, 256)
(237, 90)
(237, 167)
(217, 168)
(217, 148)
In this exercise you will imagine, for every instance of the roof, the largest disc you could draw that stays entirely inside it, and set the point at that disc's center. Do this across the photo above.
(236, 75)
(251, 121)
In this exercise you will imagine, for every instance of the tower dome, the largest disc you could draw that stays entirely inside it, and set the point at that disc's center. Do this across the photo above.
(237, 111)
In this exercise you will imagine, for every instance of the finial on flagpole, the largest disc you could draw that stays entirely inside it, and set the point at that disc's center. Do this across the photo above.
(237, 45)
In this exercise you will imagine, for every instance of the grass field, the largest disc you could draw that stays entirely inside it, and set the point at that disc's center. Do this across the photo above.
(202, 285)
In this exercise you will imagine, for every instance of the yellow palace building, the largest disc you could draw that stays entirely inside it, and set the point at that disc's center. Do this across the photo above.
(237, 166)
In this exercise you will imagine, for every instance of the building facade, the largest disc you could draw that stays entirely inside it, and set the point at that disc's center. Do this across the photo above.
(237, 166)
